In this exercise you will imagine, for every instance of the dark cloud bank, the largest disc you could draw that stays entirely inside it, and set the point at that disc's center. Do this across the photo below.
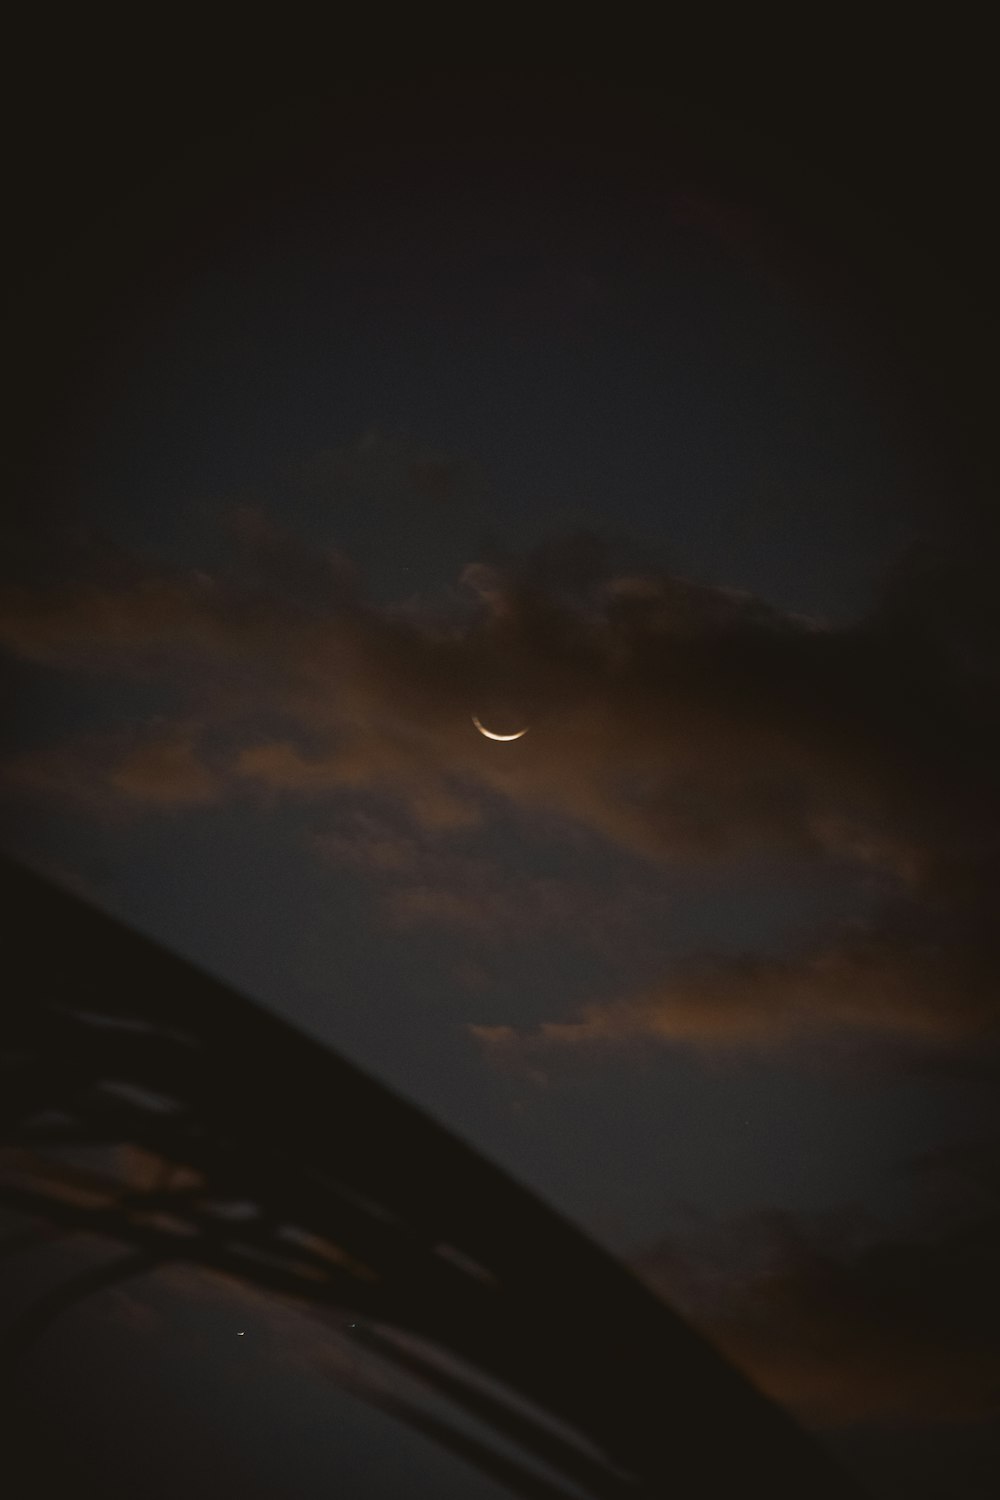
(682, 723)
(887, 1343)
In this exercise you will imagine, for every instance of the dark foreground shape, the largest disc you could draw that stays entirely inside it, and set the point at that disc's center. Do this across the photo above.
(298, 1174)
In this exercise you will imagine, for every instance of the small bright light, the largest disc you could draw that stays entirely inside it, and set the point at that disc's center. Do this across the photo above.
(240, 1332)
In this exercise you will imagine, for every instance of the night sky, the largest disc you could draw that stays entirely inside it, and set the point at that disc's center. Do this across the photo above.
(351, 416)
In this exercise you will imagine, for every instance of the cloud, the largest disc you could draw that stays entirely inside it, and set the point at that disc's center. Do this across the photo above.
(158, 767)
(676, 722)
(471, 896)
(675, 718)
(425, 878)
(881, 979)
(383, 468)
(167, 772)
(843, 1323)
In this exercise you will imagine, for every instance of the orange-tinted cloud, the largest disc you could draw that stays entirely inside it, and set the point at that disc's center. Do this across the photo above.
(845, 1325)
(883, 982)
(423, 880)
(678, 722)
(160, 768)
(166, 771)
(673, 718)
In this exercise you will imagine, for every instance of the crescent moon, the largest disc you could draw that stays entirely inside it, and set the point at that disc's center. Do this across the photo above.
(491, 736)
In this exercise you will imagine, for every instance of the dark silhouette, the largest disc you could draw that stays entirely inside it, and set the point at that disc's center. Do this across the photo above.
(287, 1168)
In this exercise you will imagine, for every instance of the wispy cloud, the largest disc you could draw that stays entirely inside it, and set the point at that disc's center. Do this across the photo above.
(880, 981)
(845, 1322)
(153, 767)
(680, 723)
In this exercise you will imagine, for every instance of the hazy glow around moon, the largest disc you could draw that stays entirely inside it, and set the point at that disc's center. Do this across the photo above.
(491, 736)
